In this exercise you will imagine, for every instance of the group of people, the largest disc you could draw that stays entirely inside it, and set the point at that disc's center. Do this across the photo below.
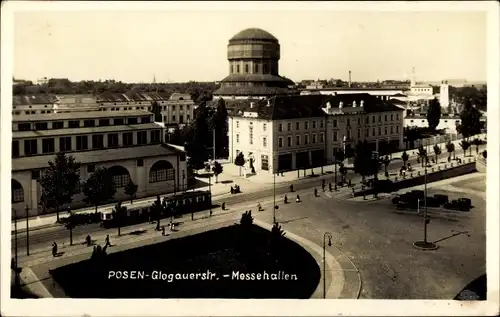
(88, 242)
(235, 189)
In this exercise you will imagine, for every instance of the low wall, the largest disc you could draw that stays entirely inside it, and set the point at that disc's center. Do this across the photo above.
(435, 176)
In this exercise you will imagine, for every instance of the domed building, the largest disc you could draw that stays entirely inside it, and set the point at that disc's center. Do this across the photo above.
(253, 56)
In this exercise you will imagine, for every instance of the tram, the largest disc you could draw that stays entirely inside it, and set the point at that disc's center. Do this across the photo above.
(176, 205)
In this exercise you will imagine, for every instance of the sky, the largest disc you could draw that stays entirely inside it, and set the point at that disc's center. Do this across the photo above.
(182, 45)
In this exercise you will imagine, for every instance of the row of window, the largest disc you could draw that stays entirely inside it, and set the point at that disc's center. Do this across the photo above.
(298, 140)
(120, 180)
(181, 119)
(88, 123)
(82, 142)
(321, 123)
(247, 69)
(367, 132)
(424, 120)
(16, 113)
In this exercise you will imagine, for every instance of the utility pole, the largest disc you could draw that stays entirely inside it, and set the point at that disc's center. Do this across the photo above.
(27, 231)
(210, 190)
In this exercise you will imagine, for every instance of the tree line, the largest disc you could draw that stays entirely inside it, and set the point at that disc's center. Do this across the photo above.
(61, 181)
(199, 91)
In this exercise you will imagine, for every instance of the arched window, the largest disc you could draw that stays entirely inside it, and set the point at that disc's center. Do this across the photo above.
(256, 68)
(246, 69)
(161, 171)
(232, 70)
(120, 175)
(237, 69)
(17, 192)
(265, 68)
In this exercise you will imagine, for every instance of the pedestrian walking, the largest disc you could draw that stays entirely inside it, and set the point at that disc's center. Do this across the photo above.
(323, 184)
(162, 230)
(330, 186)
(107, 243)
(223, 206)
(88, 240)
(315, 192)
(297, 199)
(54, 249)
(349, 184)
(172, 226)
(291, 188)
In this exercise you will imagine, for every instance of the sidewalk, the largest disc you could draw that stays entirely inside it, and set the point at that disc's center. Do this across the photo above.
(335, 269)
(231, 176)
(49, 220)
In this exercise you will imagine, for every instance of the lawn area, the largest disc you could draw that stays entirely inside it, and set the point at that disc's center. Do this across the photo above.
(224, 251)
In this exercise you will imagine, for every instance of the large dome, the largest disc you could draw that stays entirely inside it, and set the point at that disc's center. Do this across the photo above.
(254, 34)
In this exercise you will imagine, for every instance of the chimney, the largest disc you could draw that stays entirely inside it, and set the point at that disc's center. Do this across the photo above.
(354, 104)
(328, 105)
(341, 104)
(362, 103)
(269, 102)
(251, 104)
(349, 79)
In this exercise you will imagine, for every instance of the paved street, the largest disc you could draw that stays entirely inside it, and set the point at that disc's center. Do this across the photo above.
(379, 240)
(257, 186)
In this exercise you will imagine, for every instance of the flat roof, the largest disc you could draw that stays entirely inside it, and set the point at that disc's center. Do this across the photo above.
(352, 88)
(73, 131)
(79, 115)
(95, 156)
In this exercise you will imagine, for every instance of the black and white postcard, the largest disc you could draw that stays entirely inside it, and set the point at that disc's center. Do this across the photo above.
(250, 158)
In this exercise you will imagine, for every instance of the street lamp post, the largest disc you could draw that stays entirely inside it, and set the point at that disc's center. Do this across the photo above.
(274, 197)
(210, 190)
(26, 209)
(329, 235)
(425, 245)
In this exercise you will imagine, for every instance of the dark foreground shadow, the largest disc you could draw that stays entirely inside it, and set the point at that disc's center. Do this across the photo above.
(231, 262)
(476, 290)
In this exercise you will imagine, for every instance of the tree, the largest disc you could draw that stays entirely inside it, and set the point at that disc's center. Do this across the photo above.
(219, 125)
(70, 225)
(246, 219)
(239, 160)
(156, 211)
(470, 120)
(337, 158)
(422, 154)
(156, 109)
(217, 169)
(119, 215)
(277, 235)
(99, 188)
(364, 162)
(131, 190)
(196, 148)
(405, 158)
(450, 147)
(433, 114)
(59, 182)
(477, 143)
(464, 145)
(386, 162)
(437, 151)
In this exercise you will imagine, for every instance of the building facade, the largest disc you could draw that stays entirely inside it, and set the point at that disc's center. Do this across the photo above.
(129, 143)
(381, 93)
(448, 123)
(297, 132)
(34, 104)
(253, 56)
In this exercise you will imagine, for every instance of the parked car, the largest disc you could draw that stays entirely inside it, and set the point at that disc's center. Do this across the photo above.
(418, 193)
(443, 199)
(407, 205)
(457, 205)
(433, 202)
(465, 201)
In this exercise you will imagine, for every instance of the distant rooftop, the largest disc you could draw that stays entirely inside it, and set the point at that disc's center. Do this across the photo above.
(38, 99)
(79, 115)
